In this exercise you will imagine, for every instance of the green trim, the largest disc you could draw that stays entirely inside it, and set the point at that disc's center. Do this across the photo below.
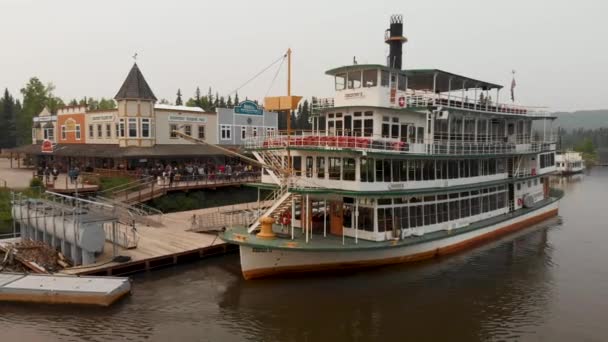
(397, 193)
(409, 192)
(397, 155)
(333, 243)
(262, 186)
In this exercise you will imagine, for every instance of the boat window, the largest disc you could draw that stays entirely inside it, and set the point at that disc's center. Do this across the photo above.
(334, 168)
(321, 167)
(354, 79)
(370, 78)
(357, 127)
(379, 170)
(384, 78)
(395, 129)
(340, 81)
(297, 165)
(420, 137)
(366, 219)
(349, 169)
(368, 127)
(369, 113)
(402, 82)
(309, 167)
(367, 170)
(385, 127)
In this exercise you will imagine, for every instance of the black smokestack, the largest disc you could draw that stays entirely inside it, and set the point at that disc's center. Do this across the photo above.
(395, 39)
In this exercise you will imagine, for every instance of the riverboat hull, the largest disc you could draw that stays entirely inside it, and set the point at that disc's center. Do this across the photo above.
(264, 262)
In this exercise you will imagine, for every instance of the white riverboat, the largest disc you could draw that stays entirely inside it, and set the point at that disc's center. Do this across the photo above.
(411, 164)
(569, 163)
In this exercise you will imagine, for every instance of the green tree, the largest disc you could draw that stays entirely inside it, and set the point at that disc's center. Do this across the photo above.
(8, 113)
(236, 98)
(197, 96)
(191, 102)
(229, 102)
(178, 100)
(107, 104)
(586, 146)
(211, 101)
(35, 97)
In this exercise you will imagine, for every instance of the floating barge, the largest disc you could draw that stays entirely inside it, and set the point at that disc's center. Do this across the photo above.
(53, 289)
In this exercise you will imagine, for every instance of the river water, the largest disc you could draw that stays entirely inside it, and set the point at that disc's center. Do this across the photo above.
(546, 283)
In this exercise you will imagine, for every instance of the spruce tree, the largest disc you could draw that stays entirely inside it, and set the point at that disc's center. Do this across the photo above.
(211, 100)
(197, 96)
(178, 100)
(229, 102)
(236, 99)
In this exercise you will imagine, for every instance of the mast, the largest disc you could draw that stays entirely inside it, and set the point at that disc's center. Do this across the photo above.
(290, 110)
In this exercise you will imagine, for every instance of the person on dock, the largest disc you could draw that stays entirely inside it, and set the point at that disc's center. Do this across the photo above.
(193, 222)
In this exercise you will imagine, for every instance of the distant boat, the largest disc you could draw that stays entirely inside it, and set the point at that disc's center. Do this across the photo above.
(570, 162)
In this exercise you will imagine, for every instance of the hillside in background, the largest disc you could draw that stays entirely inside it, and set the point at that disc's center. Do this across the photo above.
(587, 119)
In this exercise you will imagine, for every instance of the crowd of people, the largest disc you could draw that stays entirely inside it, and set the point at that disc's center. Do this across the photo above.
(167, 174)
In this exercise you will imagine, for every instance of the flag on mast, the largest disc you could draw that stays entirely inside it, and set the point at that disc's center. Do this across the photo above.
(513, 87)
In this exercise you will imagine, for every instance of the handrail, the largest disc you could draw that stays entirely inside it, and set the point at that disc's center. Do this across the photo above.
(443, 147)
(128, 185)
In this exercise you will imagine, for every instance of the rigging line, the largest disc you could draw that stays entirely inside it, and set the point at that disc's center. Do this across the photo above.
(275, 77)
(258, 74)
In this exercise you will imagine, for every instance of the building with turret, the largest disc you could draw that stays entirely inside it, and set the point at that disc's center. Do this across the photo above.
(139, 132)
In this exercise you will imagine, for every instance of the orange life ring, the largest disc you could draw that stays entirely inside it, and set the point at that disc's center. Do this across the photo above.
(286, 218)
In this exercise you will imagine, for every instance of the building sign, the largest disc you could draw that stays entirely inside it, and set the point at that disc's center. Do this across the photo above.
(70, 125)
(106, 117)
(349, 96)
(396, 186)
(249, 108)
(45, 118)
(47, 146)
(194, 119)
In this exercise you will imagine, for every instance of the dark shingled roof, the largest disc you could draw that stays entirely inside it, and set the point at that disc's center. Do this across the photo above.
(135, 87)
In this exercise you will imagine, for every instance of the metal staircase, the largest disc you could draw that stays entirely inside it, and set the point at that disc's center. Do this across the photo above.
(270, 158)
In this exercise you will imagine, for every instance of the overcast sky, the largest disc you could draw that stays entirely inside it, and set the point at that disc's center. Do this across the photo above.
(558, 48)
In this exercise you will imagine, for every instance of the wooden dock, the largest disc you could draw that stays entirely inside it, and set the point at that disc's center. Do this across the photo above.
(53, 289)
(171, 243)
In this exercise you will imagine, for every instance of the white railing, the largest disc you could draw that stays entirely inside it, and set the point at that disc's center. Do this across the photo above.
(438, 147)
(426, 99)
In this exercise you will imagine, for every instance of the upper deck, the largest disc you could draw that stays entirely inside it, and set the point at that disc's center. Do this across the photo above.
(380, 86)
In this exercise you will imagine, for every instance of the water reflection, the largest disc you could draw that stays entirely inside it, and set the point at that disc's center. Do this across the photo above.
(496, 290)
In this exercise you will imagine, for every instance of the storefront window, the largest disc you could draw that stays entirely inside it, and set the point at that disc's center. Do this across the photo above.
(145, 128)
(132, 128)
